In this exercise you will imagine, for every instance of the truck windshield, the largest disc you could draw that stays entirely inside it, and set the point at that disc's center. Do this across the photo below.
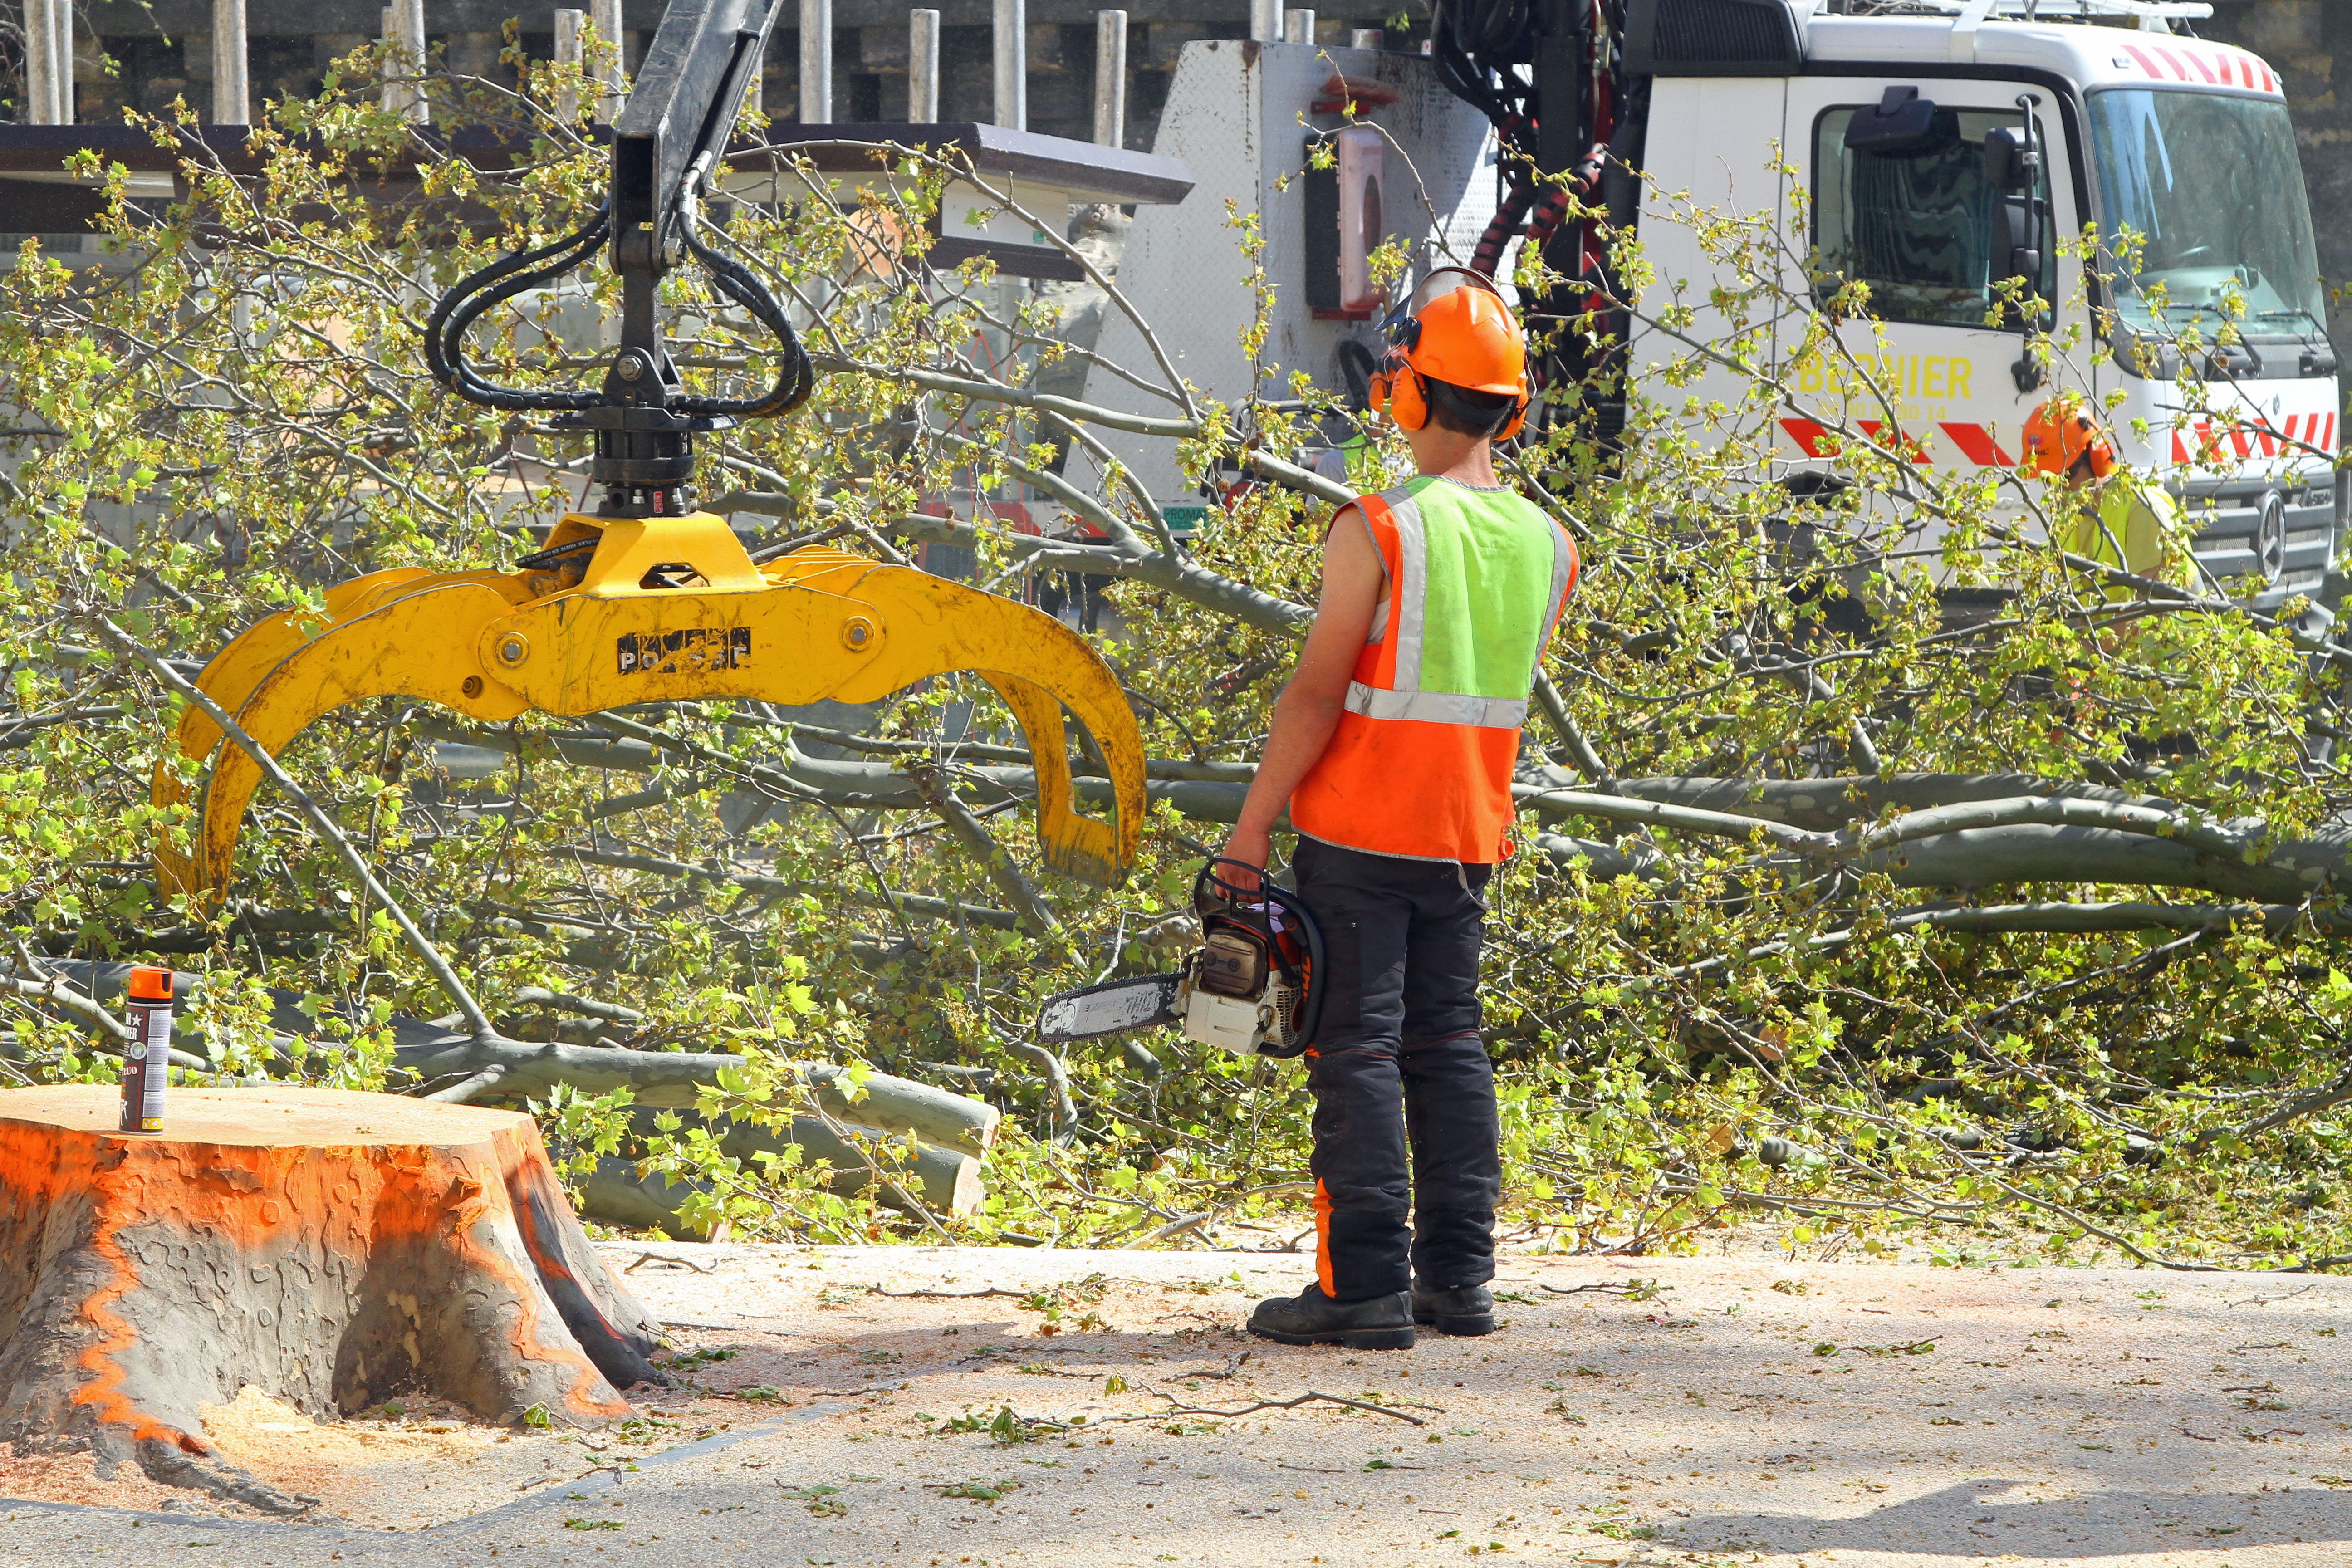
(2201, 213)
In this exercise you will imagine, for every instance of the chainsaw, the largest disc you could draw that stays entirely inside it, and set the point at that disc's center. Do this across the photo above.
(1255, 988)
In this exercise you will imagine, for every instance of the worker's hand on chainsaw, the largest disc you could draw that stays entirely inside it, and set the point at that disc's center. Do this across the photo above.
(1251, 845)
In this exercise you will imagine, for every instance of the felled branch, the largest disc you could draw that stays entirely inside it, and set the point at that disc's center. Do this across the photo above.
(1036, 917)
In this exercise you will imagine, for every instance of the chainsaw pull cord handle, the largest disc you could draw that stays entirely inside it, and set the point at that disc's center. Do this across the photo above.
(1277, 900)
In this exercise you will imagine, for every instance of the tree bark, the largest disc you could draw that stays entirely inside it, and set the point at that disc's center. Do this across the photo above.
(945, 1179)
(327, 1247)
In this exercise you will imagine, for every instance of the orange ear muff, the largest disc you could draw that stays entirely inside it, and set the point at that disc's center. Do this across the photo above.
(2102, 454)
(1407, 399)
(1516, 422)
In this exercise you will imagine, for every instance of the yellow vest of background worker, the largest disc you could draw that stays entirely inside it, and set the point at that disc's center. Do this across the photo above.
(2124, 520)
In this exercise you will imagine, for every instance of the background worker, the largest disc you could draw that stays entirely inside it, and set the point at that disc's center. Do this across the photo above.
(2120, 519)
(1394, 747)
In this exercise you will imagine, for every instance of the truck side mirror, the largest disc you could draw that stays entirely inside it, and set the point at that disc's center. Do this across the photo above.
(2017, 243)
(2011, 162)
(1901, 120)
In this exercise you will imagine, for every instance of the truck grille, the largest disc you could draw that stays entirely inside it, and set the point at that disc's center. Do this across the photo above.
(2287, 552)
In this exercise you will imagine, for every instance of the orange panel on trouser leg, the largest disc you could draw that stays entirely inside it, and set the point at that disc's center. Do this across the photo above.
(1323, 1239)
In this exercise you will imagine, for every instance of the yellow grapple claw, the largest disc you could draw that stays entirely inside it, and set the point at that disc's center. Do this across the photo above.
(665, 609)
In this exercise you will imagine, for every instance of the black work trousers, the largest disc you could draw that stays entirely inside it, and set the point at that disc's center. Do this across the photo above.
(1397, 1064)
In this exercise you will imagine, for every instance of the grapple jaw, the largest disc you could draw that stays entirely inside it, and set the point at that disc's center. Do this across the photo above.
(613, 612)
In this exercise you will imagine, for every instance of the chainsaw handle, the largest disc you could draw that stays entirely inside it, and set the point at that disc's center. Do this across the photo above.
(1310, 1023)
(1229, 893)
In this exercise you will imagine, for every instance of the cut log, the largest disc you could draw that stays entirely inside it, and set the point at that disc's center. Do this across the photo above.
(947, 1181)
(327, 1247)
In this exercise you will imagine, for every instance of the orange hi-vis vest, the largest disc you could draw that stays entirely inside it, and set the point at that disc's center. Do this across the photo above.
(1419, 766)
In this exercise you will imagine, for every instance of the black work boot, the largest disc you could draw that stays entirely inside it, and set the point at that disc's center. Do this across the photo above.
(1311, 1317)
(1465, 1309)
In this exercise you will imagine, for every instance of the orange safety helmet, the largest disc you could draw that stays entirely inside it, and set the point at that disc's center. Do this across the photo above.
(1461, 332)
(2063, 430)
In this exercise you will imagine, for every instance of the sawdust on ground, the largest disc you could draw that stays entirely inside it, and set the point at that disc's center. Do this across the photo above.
(417, 1461)
(74, 1478)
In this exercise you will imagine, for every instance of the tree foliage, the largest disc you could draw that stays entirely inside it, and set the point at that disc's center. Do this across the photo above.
(1827, 899)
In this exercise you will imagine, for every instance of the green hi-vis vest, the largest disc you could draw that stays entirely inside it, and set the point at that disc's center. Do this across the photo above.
(1421, 764)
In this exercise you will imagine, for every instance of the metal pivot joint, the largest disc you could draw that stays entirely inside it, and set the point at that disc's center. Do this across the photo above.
(670, 137)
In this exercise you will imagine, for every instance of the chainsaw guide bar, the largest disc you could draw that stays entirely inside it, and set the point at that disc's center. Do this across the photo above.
(1111, 1008)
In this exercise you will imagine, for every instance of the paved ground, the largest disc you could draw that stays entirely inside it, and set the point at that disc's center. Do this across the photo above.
(1865, 1415)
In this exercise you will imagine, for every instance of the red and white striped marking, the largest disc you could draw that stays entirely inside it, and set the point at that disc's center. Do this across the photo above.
(2295, 433)
(1977, 443)
(2206, 65)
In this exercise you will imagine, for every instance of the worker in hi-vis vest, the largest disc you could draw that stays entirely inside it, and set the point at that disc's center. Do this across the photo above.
(1394, 747)
(2115, 516)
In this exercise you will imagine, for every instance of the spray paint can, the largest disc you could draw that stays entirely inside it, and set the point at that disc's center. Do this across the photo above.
(148, 1058)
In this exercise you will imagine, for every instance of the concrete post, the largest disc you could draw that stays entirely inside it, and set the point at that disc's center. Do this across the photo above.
(922, 67)
(1298, 27)
(817, 62)
(61, 36)
(606, 16)
(1011, 106)
(1365, 38)
(232, 92)
(1266, 21)
(40, 65)
(407, 34)
(755, 92)
(1110, 79)
(569, 52)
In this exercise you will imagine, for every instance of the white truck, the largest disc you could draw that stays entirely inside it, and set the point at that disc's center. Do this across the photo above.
(2182, 144)
(1886, 120)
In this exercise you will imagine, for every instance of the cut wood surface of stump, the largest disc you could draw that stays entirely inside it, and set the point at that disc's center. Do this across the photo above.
(327, 1247)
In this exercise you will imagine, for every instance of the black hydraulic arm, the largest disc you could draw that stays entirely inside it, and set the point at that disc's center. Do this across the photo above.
(680, 113)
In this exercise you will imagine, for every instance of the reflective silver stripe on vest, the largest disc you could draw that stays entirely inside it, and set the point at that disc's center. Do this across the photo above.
(1563, 555)
(1412, 588)
(1437, 706)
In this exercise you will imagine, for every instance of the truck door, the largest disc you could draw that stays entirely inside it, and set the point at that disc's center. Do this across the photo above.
(1709, 156)
(1906, 198)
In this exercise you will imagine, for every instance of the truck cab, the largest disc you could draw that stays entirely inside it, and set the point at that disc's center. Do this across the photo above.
(1933, 157)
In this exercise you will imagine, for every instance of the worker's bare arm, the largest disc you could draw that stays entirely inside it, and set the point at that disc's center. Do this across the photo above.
(1310, 706)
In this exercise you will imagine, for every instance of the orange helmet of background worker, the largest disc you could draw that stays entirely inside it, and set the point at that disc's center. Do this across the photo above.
(1461, 332)
(2063, 431)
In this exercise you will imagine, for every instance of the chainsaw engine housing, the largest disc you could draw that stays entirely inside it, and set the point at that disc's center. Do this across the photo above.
(1253, 987)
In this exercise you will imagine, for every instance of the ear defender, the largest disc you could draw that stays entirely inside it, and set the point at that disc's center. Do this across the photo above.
(2097, 447)
(1407, 399)
(1516, 422)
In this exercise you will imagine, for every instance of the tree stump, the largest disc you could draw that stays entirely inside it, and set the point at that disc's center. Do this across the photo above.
(327, 1247)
